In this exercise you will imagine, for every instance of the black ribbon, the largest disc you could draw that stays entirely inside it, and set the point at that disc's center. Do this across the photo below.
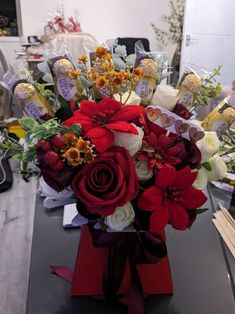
(134, 247)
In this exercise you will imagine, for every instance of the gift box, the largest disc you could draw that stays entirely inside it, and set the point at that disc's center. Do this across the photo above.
(89, 269)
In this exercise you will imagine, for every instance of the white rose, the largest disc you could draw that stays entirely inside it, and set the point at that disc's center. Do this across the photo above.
(208, 145)
(121, 218)
(132, 142)
(201, 180)
(165, 96)
(219, 169)
(142, 171)
(134, 99)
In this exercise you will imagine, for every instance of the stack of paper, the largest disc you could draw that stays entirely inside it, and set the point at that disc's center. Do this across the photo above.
(225, 225)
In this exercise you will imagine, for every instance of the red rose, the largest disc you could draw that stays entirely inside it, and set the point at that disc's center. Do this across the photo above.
(106, 183)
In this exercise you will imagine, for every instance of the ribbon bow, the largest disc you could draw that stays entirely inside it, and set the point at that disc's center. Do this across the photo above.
(134, 247)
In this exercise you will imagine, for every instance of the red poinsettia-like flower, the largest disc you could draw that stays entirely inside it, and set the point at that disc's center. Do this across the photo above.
(98, 119)
(171, 198)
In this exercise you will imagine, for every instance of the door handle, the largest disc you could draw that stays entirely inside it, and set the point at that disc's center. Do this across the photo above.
(190, 40)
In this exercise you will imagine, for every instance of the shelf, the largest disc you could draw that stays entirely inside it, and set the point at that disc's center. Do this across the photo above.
(10, 39)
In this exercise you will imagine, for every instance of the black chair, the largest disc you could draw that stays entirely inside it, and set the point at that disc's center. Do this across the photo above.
(129, 42)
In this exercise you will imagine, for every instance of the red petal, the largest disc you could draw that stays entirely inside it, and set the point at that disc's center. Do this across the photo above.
(70, 121)
(101, 138)
(151, 199)
(127, 113)
(158, 220)
(183, 182)
(109, 104)
(88, 108)
(184, 171)
(165, 177)
(192, 198)
(179, 218)
(79, 118)
(122, 127)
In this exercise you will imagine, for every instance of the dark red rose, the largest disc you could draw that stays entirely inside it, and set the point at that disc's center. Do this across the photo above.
(107, 182)
(182, 112)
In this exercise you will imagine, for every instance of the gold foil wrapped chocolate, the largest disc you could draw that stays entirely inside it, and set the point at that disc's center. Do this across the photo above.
(31, 100)
(67, 87)
(147, 83)
(192, 82)
(220, 118)
(62, 66)
(189, 86)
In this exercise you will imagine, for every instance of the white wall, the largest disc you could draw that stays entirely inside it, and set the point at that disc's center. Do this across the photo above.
(104, 19)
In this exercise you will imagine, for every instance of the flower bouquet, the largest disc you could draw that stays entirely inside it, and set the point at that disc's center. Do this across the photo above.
(132, 170)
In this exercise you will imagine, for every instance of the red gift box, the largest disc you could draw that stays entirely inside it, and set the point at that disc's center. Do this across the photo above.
(89, 269)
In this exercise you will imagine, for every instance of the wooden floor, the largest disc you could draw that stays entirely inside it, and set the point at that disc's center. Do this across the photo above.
(17, 208)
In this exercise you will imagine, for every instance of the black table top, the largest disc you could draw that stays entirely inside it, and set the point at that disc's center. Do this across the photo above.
(203, 270)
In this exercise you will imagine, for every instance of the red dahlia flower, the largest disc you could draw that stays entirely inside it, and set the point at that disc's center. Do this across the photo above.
(98, 119)
(165, 151)
(170, 198)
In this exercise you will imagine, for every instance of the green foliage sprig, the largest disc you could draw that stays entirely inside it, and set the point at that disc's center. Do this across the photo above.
(175, 22)
(209, 90)
(25, 150)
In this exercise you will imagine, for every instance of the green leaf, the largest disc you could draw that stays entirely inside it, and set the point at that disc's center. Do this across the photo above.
(207, 166)
(76, 128)
(18, 157)
(28, 123)
(201, 210)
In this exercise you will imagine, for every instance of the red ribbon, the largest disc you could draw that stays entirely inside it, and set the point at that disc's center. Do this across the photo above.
(137, 248)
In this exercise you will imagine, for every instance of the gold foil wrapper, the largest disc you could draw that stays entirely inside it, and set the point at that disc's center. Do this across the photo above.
(149, 67)
(23, 91)
(33, 103)
(148, 81)
(220, 117)
(62, 66)
(191, 82)
(68, 88)
(189, 86)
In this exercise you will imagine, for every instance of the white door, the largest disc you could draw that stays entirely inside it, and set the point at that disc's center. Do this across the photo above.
(209, 36)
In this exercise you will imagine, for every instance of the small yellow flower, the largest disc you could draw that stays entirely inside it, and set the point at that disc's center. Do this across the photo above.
(69, 139)
(83, 146)
(89, 157)
(113, 73)
(126, 75)
(101, 82)
(117, 81)
(74, 74)
(100, 52)
(82, 59)
(108, 56)
(138, 71)
(73, 157)
(93, 75)
(104, 67)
